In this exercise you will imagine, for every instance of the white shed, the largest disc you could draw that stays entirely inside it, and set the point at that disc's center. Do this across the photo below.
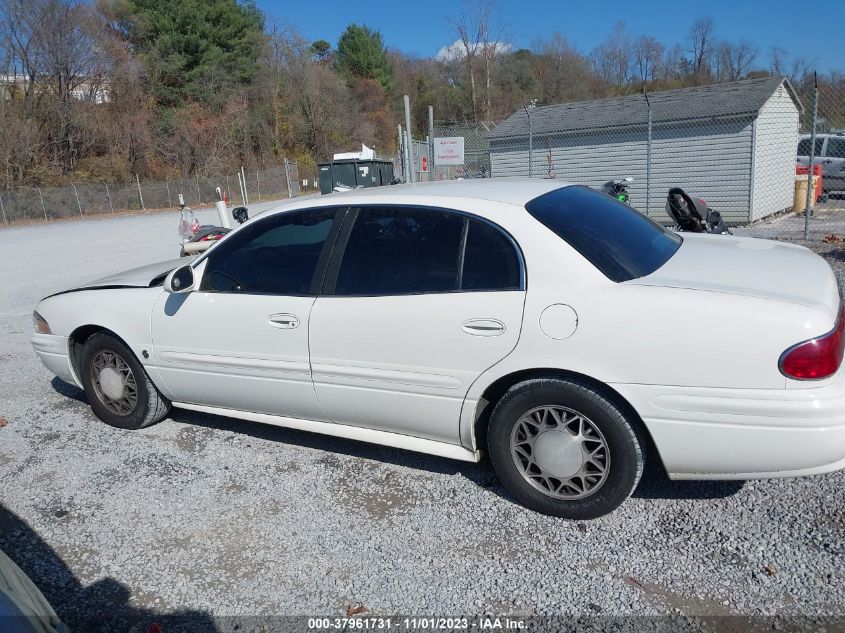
(732, 144)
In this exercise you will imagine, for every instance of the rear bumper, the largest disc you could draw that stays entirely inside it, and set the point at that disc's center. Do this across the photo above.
(744, 433)
(53, 352)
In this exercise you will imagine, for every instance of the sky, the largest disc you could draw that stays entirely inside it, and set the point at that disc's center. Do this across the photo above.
(421, 28)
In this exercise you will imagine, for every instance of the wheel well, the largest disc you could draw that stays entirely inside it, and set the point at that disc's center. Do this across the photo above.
(77, 339)
(497, 389)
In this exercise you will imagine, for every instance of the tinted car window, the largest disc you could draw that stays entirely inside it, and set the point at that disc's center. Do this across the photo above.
(491, 261)
(835, 148)
(622, 243)
(275, 256)
(804, 146)
(401, 251)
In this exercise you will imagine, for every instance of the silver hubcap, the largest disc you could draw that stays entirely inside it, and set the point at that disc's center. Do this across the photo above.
(114, 382)
(560, 452)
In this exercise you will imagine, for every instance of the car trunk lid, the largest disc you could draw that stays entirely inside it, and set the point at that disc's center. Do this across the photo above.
(751, 267)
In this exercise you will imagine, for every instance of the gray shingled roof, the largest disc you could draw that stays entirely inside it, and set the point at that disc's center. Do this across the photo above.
(737, 98)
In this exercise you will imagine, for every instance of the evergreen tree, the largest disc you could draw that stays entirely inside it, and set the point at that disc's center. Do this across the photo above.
(361, 55)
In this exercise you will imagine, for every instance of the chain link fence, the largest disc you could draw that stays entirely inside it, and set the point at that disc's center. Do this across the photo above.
(743, 147)
(822, 187)
(424, 163)
(81, 199)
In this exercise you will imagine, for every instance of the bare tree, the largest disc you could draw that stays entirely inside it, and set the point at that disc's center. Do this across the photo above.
(53, 57)
(648, 54)
(734, 60)
(676, 65)
(796, 69)
(701, 36)
(469, 32)
(22, 29)
(492, 45)
(612, 58)
(562, 72)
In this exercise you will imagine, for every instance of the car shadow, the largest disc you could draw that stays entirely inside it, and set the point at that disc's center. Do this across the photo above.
(68, 390)
(654, 484)
(100, 606)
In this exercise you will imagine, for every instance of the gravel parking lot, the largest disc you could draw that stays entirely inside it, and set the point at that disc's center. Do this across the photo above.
(202, 522)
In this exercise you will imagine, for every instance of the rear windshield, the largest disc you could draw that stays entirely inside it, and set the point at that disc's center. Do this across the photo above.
(616, 239)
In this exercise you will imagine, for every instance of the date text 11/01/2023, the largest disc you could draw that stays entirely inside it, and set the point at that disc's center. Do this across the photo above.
(487, 623)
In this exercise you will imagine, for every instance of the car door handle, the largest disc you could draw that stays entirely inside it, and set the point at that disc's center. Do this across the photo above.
(283, 321)
(483, 327)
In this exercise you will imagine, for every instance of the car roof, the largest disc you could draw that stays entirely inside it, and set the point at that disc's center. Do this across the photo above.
(516, 191)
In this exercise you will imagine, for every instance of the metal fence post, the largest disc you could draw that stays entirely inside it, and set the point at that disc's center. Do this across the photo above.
(167, 184)
(108, 195)
(140, 195)
(401, 151)
(648, 158)
(258, 184)
(43, 208)
(808, 207)
(287, 178)
(76, 193)
(3, 209)
(243, 179)
(411, 166)
(431, 165)
(199, 201)
(528, 109)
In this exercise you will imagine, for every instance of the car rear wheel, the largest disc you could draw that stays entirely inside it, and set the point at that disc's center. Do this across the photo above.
(564, 448)
(119, 390)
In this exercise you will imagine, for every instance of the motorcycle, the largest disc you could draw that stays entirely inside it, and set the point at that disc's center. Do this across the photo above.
(197, 238)
(618, 189)
(693, 214)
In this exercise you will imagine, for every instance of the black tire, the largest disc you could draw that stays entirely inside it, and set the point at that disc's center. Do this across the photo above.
(148, 406)
(619, 433)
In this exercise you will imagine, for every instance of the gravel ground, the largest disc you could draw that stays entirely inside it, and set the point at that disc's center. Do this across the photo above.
(200, 521)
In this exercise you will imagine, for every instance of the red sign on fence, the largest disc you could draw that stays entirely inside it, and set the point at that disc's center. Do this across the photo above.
(424, 163)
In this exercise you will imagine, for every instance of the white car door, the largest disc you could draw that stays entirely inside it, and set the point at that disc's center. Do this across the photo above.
(418, 302)
(241, 340)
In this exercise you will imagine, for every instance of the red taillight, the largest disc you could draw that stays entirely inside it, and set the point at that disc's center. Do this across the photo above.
(817, 358)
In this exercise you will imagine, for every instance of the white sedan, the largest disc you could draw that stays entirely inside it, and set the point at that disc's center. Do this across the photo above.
(560, 330)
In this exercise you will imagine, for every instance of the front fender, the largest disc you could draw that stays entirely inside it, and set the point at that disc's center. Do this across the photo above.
(124, 311)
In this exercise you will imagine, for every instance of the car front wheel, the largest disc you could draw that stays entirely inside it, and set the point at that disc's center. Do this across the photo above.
(564, 448)
(119, 390)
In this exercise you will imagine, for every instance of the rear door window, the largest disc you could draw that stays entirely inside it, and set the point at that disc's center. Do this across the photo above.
(490, 260)
(417, 250)
(401, 251)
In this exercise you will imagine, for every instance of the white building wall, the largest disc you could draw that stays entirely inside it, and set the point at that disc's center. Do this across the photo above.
(709, 160)
(775, 147)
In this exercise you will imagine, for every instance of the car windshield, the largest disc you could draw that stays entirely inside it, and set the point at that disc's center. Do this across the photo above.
(621, 242)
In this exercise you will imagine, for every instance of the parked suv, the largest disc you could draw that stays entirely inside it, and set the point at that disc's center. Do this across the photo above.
(830, 154)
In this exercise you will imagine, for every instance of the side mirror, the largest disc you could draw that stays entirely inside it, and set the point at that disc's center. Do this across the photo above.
(180, 281)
